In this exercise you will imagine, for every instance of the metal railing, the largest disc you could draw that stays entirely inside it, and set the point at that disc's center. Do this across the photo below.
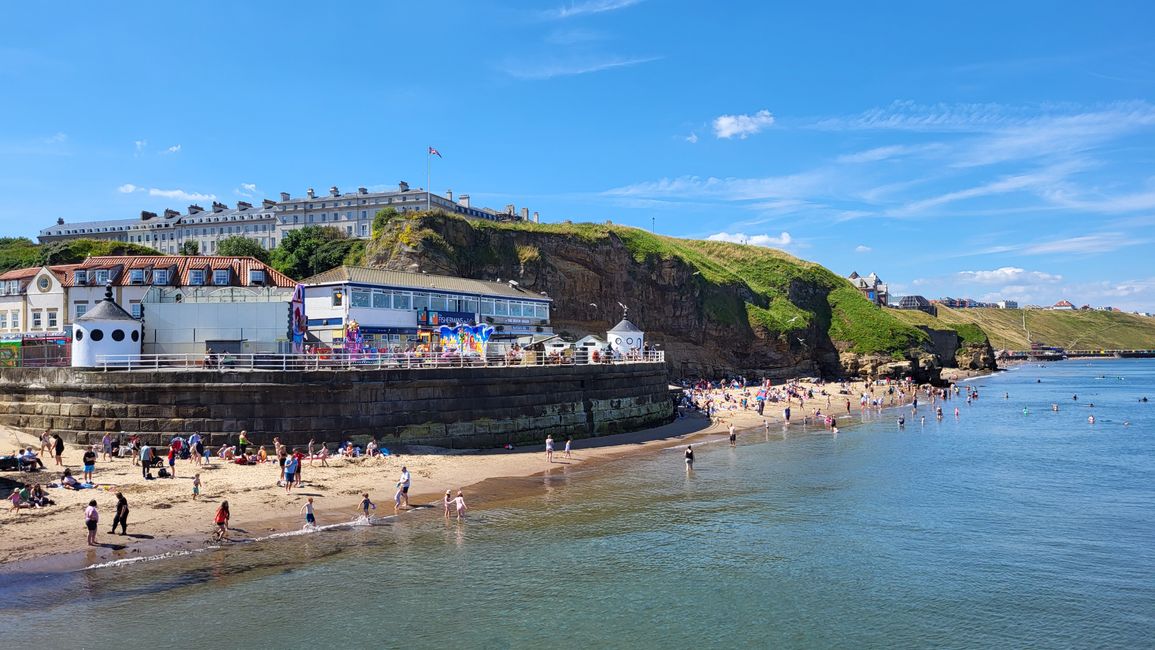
(364, 361)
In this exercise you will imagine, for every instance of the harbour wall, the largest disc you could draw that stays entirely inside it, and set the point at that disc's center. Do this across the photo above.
(451, 407)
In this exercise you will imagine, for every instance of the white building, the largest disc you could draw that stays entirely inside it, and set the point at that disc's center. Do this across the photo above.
(396, 308)
(625, 337)
(105, 333)
(233, 320)
(33, 301)
(1007, 304)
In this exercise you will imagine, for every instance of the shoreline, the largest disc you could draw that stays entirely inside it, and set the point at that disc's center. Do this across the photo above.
(164, 519)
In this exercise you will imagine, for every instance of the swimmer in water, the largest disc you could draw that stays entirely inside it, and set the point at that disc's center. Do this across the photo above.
(1006, 395)
(1025, 411)
(901, 422)
(956, 411)
(1075, 397)
(1090, 419)
(1054, 407)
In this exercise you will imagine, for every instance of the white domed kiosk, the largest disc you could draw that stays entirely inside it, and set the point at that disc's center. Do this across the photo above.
(625, 337)
(106, 329)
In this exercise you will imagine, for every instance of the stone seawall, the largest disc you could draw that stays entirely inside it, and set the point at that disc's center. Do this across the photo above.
(458, 407)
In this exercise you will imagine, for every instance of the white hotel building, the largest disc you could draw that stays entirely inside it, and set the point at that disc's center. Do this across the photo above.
(350, 212)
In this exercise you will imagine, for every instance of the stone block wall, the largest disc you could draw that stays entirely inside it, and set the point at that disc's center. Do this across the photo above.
(452, 407)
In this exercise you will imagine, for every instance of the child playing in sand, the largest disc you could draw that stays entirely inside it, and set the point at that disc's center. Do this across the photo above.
(460, 503)
(448, 500)
(196, 486)
(310, 516)
(366, 505)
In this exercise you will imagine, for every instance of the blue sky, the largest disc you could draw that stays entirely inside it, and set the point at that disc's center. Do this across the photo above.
(969, 149)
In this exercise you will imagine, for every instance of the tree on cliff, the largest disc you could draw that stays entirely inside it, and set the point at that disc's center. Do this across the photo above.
(190, 247)
(77, 250)
(310, 250)
(239, 246)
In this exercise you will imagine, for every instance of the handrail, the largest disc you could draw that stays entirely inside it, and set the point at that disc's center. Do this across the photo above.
(342, 361)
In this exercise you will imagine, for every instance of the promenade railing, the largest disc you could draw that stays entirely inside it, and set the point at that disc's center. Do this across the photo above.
(363, 361)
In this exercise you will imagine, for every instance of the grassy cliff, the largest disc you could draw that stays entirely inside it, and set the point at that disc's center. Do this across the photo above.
(1074, 330)
(750, 306)
(21, 252)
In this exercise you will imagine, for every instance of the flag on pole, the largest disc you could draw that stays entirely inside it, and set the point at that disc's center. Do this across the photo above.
(434, 152)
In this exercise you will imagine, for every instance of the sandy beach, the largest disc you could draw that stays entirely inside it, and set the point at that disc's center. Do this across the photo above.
(164, 513)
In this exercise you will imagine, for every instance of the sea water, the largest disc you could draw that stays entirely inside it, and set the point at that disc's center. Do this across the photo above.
(1001, 528)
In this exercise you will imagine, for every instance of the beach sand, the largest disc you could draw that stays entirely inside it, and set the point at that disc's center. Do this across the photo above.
(163, 514)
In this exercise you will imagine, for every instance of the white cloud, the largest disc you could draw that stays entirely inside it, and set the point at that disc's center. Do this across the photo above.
(1038, 180)
(247, 190)
(588, 7)
(730, 189)
(181, 195)
(138, 146)
(549, 69)
(861, 248)
(128, 188)
(780, 241)
(728, 126)
(1008, 274)
(249, 187)
(692, 138)
(173, 149)
(878, 154)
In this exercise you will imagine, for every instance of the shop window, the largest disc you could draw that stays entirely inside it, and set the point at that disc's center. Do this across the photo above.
(360, 298)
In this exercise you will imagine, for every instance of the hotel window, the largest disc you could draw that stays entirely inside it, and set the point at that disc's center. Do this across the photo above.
(221, 277)
(348, 215)
(364, 214)
(16, 320)
(81, 277)
(135, 308)
(52, 319)
(80, 308)
(102, 277)
(36, 319)
(160, 276)
(196, 277)
(325, 217)
(3, 320)
(364, 230)
(136, 276)
(348, 230)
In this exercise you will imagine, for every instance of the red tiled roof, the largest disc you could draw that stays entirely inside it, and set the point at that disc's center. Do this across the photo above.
(179, 267)
(1063, 303)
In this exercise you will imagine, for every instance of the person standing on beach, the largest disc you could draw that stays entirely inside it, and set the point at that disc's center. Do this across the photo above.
(312, 443)
(366, 505)
(733, 436)
(299, 457)
(689, 457)
(121, 518)
(91, 517)
(196, 486)
(222, 521)
(242, 442)
(403, 484)
(106, 447)
(568, 447)
(172, 454)
(197, 446)
(89, 463)
(786, 414)
(448, 500)
(310, 515)
(290, 472)
(46, 443)
(59, 448)
(549, 448)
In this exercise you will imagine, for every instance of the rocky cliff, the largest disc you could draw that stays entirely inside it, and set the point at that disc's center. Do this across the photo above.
(715, 307)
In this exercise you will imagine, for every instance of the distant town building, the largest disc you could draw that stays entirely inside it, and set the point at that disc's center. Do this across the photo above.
(1007, 304)
(267, 223)
(1063, 305)
(871, 287)
(963, 303)
(916, 302)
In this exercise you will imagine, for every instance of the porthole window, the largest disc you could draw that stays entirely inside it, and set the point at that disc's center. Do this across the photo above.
(118, 335)
(135, 336)
(79, 335)
(97, 335)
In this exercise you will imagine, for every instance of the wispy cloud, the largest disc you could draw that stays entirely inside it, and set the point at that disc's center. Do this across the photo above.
(692, 138)
(138, 146)
(781, 241)
(173, 149)
(730, 189)
(247, 190)
(1018, 182)
(573, 36)
(878, 154)
(570, 67)
(586, 8)
(180, 195)
(1095, 243)
(862, 248)
(56, 138)
(741, 126)
(1007, 274)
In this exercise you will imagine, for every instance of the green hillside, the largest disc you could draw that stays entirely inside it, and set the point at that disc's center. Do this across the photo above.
(21, 252)
(1073, 330)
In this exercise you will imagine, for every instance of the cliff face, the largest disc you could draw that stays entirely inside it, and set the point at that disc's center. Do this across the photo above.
(714, 307)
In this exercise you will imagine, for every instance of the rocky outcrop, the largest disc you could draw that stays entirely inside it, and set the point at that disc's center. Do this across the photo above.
(766, 315)
(975, 357)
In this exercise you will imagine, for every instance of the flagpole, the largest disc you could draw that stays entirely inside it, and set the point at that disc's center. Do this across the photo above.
(428, 185)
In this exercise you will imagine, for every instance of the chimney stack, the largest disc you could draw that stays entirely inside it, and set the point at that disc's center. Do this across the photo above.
(449, 195)
(310, 193)
(267, 203)
(536, 218)
(284, 197)
(333, 191)
(402, 186)
(362, 190)
(510, 210)
(60, 221)
(145, 215)
(463, 200)
(171, 214)
(244, 205)
(525, 214)
(194, 209)
(219, 207)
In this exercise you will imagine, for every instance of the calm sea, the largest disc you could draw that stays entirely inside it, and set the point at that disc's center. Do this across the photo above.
(998, 529)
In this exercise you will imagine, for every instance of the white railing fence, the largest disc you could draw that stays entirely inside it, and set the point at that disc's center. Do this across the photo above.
(365, 361)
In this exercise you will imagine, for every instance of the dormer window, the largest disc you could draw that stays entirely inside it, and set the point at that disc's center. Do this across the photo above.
(80, 277)
(196, 277)
(102, 277)
(136, 276)
(256, 276)
(160, 276)
(221, 277)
